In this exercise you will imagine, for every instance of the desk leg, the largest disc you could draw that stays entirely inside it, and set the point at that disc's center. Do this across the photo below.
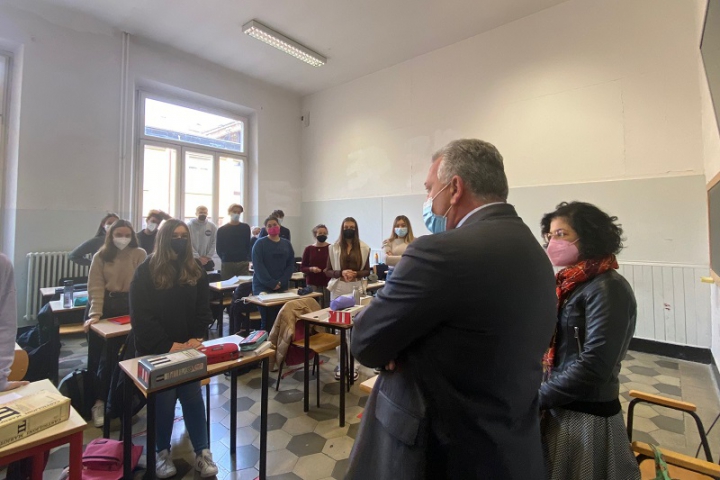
(351, 374)
(109, 366)
(56, 335)
(76, 451)
(343, 375)
(38, 465)
(264, 415)
(306, 379)
(150, 449)
(127, 427)
(233, 410)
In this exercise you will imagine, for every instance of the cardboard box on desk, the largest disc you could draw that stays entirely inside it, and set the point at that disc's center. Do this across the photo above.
(345, 316)
(30, 414)
(171, 368)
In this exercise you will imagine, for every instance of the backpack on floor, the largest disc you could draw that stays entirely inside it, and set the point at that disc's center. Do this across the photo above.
(77, 386)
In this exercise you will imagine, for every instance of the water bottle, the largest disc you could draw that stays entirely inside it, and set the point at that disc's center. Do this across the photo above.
(68, 294)
(356, 295)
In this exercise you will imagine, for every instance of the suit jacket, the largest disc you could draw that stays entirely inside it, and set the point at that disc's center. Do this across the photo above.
(467, 314)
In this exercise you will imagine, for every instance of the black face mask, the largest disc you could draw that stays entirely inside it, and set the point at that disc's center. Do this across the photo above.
(179, 246)
(202, 218)
(321, 238)
(348, 234)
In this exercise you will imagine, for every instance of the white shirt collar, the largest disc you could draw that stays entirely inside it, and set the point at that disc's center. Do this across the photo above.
(460, 223)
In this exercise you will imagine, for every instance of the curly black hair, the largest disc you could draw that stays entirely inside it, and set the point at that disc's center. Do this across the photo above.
(599, 235)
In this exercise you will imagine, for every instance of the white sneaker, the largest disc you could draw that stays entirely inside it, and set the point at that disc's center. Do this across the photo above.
(164, 466)
(98, 414)
(205, 465)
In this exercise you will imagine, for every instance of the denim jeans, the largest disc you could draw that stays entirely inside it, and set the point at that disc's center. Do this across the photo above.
(193, 408)
(268, 316)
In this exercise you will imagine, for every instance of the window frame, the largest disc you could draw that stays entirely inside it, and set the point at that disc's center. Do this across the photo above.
(182, 147)
(5, 85)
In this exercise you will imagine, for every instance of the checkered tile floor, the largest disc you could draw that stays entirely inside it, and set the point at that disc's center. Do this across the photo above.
(312, 446)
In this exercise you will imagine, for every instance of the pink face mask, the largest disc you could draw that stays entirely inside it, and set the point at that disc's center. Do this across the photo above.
(273, 231)
(563, 253)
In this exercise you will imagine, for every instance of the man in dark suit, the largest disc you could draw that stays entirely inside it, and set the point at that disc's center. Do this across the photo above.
(460, 328)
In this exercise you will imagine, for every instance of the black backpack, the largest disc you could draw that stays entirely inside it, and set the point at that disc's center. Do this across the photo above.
(77, 386)
(240, 311)
(42, 345)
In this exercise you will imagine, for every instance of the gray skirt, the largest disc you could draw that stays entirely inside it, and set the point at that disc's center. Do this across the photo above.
(580, 446)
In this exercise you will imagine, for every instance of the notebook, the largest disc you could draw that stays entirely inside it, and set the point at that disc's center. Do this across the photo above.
(124, 320)
(268, 297)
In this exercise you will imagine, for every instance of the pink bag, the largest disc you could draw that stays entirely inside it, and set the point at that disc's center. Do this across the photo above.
(103, 459)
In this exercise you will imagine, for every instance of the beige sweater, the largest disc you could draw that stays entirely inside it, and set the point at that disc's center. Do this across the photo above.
(394, 250)
(113, 276)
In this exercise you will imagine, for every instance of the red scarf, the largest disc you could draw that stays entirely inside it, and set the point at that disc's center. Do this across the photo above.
(566, 281)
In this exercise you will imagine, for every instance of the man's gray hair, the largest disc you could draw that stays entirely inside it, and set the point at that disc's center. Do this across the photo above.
(478, 163)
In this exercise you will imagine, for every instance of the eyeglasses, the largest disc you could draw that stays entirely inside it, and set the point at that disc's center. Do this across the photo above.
(559, 233)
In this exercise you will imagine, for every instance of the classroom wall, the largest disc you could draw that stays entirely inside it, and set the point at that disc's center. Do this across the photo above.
(595, 100)
(68, 169)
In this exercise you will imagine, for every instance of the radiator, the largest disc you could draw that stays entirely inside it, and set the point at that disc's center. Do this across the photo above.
(45, 269)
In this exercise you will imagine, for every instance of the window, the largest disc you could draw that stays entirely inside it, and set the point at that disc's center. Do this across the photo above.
(190, 157)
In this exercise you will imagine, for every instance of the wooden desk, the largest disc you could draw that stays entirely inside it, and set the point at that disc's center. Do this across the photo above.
(375, 286)
(35, 446)
(218, 287)
(298, 278)
(274, 303)
(130, 368)
(113, 335)
(321, 318)
(368, 384)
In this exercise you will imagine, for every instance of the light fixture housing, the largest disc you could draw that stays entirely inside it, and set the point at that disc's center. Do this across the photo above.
(265, 34)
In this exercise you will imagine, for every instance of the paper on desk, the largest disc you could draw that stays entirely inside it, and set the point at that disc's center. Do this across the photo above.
(236, 280)
(236, 339)
(10, 397)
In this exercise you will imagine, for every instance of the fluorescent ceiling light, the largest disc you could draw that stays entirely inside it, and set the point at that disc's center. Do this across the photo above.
(259, 31)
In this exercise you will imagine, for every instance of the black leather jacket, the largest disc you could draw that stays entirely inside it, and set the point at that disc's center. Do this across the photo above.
(593, 333)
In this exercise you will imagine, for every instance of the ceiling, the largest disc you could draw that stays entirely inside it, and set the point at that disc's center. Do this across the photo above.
(358, 37)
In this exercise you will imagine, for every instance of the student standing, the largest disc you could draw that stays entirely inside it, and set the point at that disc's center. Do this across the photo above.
(109, 280)
(170, 311)
(314, 262)
(82, 255)
(582, 426)
(399, 239)
(233, 245)
(255, 235)
(348, 262)
(8, 323)
(274, 263)
(146, 236)
(203, 233)
(284, 231)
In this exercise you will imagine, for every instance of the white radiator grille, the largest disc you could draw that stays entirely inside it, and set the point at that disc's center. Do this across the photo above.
(45, 269)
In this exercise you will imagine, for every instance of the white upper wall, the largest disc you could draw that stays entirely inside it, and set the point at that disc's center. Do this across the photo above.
(589, 90)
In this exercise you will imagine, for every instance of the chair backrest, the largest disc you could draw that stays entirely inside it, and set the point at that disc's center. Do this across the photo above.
(298, 307)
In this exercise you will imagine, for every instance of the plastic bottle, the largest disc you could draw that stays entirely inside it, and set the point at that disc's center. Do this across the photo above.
(68, 294)
(356, 295)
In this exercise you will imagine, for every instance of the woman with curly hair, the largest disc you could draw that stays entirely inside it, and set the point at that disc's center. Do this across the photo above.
(584, 435)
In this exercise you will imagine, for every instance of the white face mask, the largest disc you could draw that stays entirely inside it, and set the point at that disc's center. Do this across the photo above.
(121, 242)
(234, 217)
(151, 226)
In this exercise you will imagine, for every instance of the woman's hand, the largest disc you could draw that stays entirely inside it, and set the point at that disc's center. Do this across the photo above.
(194, 343)
(315, 270)
(14, 385)
(88, 322)
(277, 287)
(348, 275)
(176, 347)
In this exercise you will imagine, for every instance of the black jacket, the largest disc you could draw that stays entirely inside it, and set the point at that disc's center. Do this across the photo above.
(467, 314)
(82, 255)
(161, 317)
(593, 334)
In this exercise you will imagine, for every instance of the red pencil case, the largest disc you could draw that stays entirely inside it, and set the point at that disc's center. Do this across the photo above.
(221, 353)
(124, 320)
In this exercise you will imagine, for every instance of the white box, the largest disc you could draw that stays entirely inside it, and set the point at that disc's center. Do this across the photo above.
(31, 414)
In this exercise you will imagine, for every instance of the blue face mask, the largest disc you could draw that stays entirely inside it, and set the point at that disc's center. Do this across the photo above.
(435, 223)
(401, 232)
